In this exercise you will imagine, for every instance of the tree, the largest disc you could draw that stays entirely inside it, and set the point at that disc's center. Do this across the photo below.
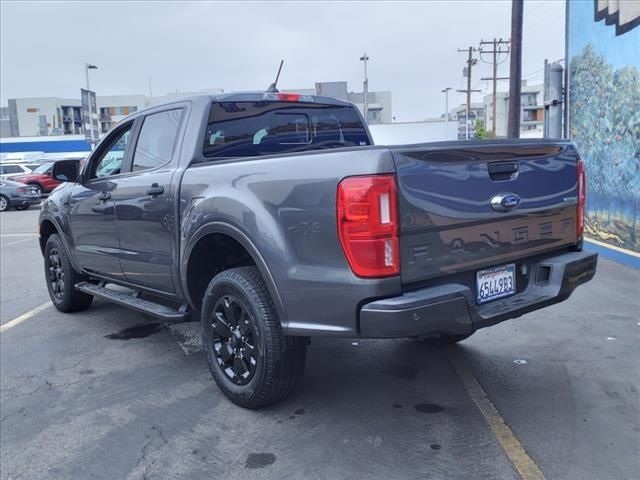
(481, 131)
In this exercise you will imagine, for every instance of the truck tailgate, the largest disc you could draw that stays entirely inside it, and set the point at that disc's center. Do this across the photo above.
(445, 194)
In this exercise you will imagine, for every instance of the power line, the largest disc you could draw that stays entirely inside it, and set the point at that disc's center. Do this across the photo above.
(496, 51)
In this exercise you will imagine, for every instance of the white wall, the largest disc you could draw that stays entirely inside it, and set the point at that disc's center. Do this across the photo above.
(413, 132)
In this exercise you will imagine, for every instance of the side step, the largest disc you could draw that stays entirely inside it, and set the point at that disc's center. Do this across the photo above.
(131, 301)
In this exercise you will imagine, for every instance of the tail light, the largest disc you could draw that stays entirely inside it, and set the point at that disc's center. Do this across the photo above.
(582, 196)
(368, 224)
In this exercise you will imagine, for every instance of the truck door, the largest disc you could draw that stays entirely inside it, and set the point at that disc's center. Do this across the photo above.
(91, 205)
(145, 203)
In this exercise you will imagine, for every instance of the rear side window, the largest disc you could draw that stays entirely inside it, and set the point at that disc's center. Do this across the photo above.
(247, 129)
(157, 140)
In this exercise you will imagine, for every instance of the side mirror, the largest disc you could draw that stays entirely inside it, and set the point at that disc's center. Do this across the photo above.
(66, 170)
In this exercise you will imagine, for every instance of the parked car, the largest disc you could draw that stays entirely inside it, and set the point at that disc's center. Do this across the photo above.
(10, 170)
(40, 178)
(273, 218)
(17, 195)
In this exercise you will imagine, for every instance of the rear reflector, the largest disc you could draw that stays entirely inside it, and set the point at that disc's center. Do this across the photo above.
(582, 197)
(368, 224)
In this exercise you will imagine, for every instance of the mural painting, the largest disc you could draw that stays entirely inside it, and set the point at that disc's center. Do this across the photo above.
(604, 114)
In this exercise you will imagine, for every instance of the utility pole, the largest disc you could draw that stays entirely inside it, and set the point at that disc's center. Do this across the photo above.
(496, 51)
(446, 104)
(150, 93)
(365, 85)
(515, 73)
(470, 63)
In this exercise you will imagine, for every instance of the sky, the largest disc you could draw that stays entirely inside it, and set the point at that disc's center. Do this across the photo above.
(190, 46)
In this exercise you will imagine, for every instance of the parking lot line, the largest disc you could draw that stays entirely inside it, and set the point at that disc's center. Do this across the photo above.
(17, 241)
(527, 469)
(3, 235)
(23, 317)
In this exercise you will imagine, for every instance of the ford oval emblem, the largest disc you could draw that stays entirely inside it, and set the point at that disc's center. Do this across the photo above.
(505, 202)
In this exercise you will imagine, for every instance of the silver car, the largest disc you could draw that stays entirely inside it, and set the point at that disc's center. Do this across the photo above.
(17, 195)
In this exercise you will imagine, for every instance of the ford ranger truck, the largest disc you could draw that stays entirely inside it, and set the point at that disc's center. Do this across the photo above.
(272, 218)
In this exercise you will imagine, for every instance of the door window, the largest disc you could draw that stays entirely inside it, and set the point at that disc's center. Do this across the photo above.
(11, 169)
(157, 140)
(111, 160)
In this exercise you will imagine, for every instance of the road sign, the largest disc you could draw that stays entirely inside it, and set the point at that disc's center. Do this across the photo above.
(90, 124)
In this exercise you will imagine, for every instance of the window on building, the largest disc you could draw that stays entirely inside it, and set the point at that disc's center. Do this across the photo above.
(529, 115)
(33, 110)
(157, 140)
(528, 99)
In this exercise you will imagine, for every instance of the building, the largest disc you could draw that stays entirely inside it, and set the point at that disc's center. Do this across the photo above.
(531, 111)
(379, 103)
(27, 117)
(44, 116)
(5, 123)
(459, 114)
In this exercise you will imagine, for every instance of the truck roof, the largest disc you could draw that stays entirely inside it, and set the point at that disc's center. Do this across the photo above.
(257, 96)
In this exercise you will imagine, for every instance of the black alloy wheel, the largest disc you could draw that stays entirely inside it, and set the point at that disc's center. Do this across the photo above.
(234, 340)
(61, 278)
(56, 273)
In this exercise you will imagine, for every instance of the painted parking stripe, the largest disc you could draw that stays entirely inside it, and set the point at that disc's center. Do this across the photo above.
(24, 316)
(525, 466)
(16, 242)
(3, 235)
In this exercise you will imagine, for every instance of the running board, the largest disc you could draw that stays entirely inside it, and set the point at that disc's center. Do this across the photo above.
(133, 301)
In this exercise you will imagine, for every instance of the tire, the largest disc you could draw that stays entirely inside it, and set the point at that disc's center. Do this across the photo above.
(23, 207)
(240, 326)
(442, 340)
(5, 204)
(37, 186)
(61, 278)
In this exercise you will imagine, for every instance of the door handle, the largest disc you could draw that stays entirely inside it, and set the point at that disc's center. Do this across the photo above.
(155, 189)
(104, 196)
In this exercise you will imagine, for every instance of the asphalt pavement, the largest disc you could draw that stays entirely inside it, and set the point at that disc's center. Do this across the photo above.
(112, 394)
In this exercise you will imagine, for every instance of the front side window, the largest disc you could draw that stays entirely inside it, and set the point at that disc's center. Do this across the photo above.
(157, 140)
(111, 160)
(246, 129)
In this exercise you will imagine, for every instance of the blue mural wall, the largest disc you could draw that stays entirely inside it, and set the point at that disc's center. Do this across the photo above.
(604, 114)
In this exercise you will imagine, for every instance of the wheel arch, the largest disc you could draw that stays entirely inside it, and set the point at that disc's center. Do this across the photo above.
(47, 227)
(219, 230)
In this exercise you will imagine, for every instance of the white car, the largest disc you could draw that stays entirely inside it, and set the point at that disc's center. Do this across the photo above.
(8, 170)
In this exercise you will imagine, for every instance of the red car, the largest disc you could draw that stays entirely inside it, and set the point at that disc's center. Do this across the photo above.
(39, 178)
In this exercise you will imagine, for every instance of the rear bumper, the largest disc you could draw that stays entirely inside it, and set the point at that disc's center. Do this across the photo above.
(23, 201)
(451, 308)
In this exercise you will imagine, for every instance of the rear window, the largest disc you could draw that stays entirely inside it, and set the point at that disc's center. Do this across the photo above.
(248, 129)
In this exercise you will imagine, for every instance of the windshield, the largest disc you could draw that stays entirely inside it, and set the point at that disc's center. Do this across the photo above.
(44, 168)
(241, 129)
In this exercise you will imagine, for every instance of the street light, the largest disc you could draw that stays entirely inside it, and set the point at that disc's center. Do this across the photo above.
(87, 67)
(364, 59)
(446, 103)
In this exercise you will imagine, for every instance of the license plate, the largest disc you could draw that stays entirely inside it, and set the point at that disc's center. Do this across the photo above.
(495, 283)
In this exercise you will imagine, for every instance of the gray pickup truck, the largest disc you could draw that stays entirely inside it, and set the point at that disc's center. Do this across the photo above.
(272, 218)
